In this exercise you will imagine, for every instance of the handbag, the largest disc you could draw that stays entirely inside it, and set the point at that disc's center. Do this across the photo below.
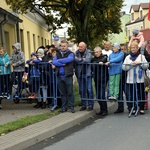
(147, 76)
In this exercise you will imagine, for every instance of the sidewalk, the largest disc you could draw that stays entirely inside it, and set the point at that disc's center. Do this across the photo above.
(30, 135)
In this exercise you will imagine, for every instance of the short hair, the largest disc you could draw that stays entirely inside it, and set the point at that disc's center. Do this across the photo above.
(64, 41)
(54, 50)
(97, 48)
(135, 44)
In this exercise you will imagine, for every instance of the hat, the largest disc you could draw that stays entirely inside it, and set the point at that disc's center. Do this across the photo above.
(34, 54)
(117, 45)
(135, 31)
(41, 50)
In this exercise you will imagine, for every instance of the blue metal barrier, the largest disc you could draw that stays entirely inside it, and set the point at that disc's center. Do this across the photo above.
(93, 85)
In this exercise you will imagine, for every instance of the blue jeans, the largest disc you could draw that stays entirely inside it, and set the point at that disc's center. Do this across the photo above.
(86, 91)
(65, 86)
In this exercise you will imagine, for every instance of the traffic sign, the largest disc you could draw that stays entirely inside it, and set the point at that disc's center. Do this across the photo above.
(56, 37)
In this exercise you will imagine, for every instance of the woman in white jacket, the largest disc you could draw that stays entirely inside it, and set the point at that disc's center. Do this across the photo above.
(135, 65)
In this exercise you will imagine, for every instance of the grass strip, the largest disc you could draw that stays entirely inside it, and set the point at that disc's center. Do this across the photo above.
(28, 120)
(23, 122)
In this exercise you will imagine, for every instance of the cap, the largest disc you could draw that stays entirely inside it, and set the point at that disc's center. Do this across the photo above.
(135, 31)
(117, 45)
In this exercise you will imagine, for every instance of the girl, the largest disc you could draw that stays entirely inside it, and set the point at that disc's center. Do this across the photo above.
(4, 75)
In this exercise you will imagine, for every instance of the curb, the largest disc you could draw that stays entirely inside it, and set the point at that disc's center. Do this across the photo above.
(33, 134)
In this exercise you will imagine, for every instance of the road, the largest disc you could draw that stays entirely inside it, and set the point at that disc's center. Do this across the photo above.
(115, 132)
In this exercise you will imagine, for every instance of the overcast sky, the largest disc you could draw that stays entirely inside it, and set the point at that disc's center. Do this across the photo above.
(128, 4)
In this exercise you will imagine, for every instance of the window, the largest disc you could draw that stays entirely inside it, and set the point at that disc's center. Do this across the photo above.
(42, 41)
(29, 43)
(34, 42)
(132, 16)
(22, 40)
(128, 32)
(141, 14)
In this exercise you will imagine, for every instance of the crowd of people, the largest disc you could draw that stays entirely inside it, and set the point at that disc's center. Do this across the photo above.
(113, 69)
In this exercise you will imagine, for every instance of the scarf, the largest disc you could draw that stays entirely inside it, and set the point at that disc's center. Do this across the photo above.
(133, 56)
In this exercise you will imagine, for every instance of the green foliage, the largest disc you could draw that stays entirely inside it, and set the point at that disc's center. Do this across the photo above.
(91, 20)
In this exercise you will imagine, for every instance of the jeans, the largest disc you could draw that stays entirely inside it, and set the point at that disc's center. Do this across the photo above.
(65, 86)
(135, 93)
(86, 91)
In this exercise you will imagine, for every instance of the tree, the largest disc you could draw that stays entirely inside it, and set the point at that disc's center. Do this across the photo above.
(90, 20)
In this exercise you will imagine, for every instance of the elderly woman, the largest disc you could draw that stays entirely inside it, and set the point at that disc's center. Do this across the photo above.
(135, 65)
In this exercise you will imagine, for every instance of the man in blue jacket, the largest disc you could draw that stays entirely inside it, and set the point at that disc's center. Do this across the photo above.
(64, 63)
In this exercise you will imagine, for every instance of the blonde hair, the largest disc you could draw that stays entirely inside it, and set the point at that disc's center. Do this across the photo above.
(134, 44)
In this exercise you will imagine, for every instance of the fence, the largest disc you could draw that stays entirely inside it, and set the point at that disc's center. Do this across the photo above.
(93, 83)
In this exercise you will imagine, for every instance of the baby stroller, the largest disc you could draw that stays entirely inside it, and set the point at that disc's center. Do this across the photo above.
(20, 89)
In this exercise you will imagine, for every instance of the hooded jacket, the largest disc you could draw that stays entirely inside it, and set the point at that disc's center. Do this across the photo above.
(138, 37)
(4, 60)
(18, 59)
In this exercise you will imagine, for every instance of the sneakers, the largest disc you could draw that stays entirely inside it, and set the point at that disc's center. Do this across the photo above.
(32, 95)
(112, 98)
(8, 96)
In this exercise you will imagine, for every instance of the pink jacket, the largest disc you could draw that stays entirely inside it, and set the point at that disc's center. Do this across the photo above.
(139, 37)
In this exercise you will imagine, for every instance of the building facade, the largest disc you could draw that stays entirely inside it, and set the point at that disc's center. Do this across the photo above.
(29, 29)
(139, 20)
(121, 37)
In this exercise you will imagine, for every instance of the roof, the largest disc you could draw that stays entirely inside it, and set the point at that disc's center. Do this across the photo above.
(9, 15)
(142, 5)
(135, 8)
(137, 20)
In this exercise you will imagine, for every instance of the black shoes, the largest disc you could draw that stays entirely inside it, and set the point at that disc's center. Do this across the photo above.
(118, 111)
(82, 108)
(102, 113)
(38, 105)
(62, 110)
(90, 109)
(99, 113)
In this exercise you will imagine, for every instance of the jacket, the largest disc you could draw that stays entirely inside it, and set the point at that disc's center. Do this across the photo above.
(4, 60)
(133, 77)
(82, 68)
(116, 60)
(100, 72)
(18, 59)
(33, 69)
(64, 62)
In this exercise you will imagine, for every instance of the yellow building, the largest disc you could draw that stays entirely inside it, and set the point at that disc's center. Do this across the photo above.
(139, 18)
(29, 29)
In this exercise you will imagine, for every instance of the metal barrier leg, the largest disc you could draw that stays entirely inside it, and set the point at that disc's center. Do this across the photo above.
(131, 112)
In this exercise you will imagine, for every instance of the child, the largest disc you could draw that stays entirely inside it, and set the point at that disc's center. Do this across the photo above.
(17, 60)
(137, 35)
(4, 75)
(115, 70)
(34, 75)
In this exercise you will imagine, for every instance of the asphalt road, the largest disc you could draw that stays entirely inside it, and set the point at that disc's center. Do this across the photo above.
(115, 132)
